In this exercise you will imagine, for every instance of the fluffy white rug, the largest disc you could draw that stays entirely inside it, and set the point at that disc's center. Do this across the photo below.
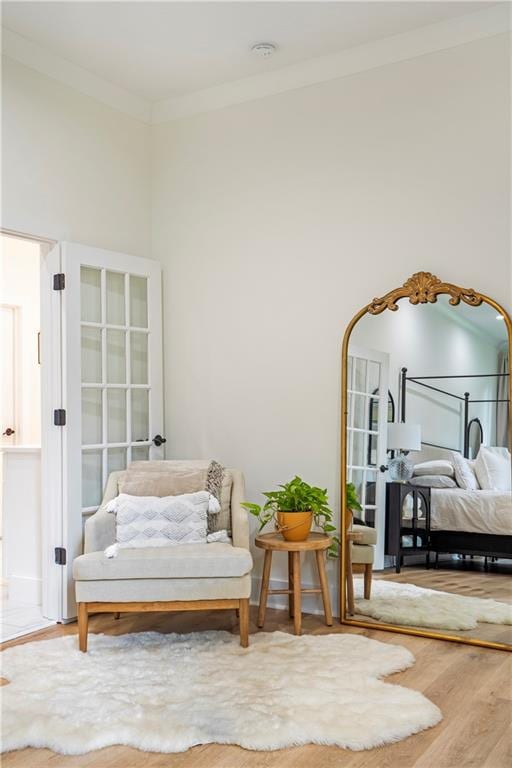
(409, 605)
(167, 693)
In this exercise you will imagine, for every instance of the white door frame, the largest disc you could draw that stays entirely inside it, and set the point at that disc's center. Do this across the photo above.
(51, 435)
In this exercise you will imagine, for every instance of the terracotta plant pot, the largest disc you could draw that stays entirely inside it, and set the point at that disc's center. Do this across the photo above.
(294, 526)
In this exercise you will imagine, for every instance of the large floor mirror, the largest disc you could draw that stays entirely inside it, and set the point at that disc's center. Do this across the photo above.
(426, 391)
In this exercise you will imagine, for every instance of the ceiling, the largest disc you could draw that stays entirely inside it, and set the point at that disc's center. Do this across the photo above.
(161, 50)
(484, 319)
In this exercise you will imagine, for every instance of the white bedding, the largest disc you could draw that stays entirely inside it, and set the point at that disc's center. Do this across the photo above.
(455, 509)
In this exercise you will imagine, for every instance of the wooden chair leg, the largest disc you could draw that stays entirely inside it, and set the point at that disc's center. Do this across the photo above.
(290, 585)
(350, 580)
(244, 622)
(267, 564)
(117, 615)
(320, 561)
(83, 622)
(297, 608)
(367, 580)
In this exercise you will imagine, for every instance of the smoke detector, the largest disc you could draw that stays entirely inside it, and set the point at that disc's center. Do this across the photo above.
(264, 50)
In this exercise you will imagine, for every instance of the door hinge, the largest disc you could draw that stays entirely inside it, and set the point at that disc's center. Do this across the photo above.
(59, 281)
(60, 556)
(59, 417)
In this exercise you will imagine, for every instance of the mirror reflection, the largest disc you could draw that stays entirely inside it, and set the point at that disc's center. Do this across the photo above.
(428, 451)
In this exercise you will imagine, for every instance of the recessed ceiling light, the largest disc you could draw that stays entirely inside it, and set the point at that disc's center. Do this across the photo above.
(264, 50)
(499, 317)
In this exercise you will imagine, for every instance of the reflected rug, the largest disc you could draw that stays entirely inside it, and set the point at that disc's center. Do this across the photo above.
(167, 693)
(409, 605)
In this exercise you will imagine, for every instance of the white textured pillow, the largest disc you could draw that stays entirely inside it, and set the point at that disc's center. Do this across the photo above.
(433, 481)
(436, 467)
(153, 521)
(465, 472)
(492, 467)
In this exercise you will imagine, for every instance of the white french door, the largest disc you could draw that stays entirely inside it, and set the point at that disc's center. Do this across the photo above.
(8, 420)
(367, 389)
(107, 402)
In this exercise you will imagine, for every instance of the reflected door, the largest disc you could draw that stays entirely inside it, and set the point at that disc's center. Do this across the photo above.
(112, 379)
(367, 415)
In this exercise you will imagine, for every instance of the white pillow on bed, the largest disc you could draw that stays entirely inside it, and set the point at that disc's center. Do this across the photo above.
(492, 467)
(465, 472)
(433, 481)
(436, 467)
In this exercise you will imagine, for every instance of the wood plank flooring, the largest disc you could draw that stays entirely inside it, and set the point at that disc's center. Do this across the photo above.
(495, 584)
(471, 686)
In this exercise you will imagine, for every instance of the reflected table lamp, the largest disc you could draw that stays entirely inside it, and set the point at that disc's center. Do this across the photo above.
(402, 438)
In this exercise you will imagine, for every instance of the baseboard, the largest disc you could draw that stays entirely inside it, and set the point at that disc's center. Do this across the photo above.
(310, 603)
(24, 589)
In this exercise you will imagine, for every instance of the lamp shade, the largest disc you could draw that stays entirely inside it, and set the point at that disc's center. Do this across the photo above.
(404, 437)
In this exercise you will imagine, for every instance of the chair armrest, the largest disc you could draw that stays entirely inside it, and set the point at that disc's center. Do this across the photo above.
(239, 516)
(100, 531)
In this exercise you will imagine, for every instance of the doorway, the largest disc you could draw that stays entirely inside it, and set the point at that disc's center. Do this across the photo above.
(20, 437)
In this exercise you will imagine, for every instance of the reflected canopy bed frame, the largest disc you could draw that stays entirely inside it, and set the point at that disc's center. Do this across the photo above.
(465, 398)
(457, 542)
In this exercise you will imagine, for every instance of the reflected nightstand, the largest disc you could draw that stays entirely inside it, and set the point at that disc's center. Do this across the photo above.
(407, 521)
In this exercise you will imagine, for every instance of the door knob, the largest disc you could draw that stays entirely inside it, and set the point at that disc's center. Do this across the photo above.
(8, 432)
(159, 440)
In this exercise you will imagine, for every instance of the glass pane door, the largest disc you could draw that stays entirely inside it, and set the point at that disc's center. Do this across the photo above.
(363, 432)
(367, 380)
(115, 376)
(111, 380)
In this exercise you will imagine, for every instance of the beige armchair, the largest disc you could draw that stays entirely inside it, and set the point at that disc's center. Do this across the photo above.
(186, 577)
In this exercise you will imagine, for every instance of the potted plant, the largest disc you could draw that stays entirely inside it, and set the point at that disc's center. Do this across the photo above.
(293, 509)
(353, 504)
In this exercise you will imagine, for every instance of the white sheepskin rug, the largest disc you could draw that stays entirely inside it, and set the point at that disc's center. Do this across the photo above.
(166, 693)
(409, 605)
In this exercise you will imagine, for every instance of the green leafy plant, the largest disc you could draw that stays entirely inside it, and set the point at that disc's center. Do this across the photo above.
(298, 496)
(352, 500)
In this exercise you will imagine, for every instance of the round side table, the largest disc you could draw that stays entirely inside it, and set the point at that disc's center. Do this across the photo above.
(319, 543)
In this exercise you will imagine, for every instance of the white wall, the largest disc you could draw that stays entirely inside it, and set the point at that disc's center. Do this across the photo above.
(431, 341)
(19, 286)
(276, 220)
(72, 168)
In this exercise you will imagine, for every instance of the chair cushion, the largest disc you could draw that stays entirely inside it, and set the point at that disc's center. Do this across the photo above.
(178, 562)
(162, 483)
(362, 554)
(175, 475)
(368, 535)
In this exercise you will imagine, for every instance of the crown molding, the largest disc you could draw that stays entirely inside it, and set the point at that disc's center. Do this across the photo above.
(32, 55)
(407, 45)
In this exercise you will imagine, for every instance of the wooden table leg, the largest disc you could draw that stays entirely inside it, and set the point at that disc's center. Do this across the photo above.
(290, 584)
(350, 579)
(244, 622)
(267, 564)
(320, 561)
(297, 608)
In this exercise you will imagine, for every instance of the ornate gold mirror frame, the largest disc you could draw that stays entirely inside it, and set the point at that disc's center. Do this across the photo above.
(421, 288)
